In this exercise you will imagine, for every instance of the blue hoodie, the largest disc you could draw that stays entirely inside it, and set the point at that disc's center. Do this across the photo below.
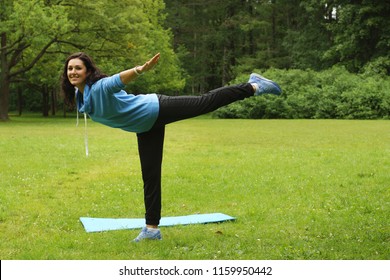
(106, 102)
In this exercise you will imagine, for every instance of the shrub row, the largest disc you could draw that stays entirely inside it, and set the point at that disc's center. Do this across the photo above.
(329, 94)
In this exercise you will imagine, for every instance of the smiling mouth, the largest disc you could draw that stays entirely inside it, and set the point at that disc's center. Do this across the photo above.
(74, 79)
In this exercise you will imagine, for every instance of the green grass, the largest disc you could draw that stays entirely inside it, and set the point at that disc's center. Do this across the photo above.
(300, 189)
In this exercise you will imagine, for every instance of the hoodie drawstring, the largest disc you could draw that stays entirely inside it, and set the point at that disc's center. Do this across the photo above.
(85, 131)
(86, 135)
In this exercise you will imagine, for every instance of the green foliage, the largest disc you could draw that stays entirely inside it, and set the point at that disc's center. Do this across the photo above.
(205, 45)
(333, 93)
(37, 36)
(378, 67)
(225, 39)
(360, 33)
(300, 189)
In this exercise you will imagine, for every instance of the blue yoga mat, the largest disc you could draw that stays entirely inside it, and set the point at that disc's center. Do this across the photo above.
(105, 224)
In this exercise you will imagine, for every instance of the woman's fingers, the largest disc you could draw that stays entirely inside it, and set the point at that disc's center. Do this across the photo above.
(151, 63)
(155, 59)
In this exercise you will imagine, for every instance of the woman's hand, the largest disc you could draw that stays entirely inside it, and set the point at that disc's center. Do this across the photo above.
(131, 74)
(149, 64)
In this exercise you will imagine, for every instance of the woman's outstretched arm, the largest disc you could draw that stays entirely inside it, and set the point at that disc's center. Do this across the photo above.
(131, 74)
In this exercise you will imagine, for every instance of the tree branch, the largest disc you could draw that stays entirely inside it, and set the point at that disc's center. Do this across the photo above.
(70, 43)
(8, 48)
(17, 54)
(35, 60)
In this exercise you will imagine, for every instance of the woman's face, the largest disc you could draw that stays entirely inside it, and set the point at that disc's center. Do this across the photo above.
(77, 73)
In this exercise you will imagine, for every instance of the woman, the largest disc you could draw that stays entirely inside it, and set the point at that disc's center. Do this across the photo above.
(105, 101)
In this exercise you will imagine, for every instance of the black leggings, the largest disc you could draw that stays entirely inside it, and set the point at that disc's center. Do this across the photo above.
(150, 143)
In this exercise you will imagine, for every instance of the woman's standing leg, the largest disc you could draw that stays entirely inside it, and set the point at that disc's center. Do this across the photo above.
(150, 148)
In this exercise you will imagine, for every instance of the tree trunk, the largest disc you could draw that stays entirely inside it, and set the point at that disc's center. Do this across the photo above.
(252, 43)
(20, 101)
(4, 98)
(193, 86)
(45, 101)
(64, 112)
(4, 80)
(53, 102)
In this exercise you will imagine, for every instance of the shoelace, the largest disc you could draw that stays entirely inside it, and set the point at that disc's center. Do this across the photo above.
(85, 131)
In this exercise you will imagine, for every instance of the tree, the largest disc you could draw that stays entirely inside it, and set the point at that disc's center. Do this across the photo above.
(361, 33)
(220, 38)
(307, 37)
(205, 33)
(27, 27)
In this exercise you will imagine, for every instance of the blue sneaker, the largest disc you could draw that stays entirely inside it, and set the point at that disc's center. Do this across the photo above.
(264, 85)
(151, 234)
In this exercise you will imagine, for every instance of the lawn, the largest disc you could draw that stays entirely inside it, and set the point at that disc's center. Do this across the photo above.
(300, 189)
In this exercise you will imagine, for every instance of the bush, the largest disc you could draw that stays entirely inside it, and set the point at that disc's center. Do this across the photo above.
(330, 94)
